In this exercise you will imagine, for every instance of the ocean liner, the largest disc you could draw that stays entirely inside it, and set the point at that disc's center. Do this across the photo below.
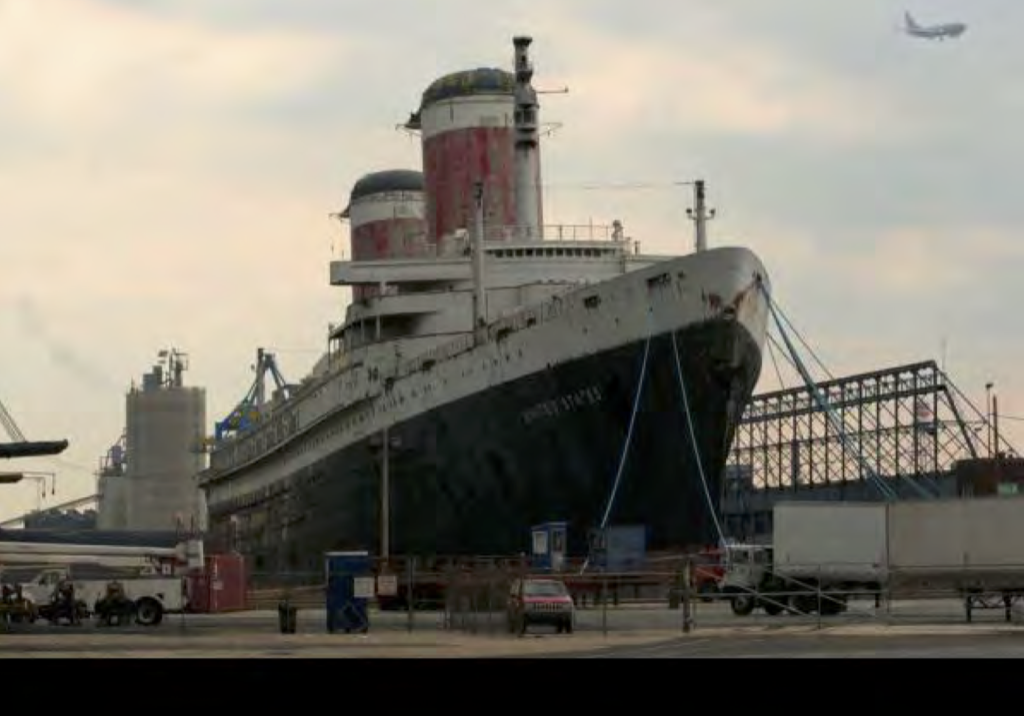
(492, 372)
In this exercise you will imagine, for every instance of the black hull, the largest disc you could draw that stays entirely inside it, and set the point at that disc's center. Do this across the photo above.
(472, 477)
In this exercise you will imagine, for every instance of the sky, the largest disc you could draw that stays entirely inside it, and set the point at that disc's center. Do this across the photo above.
(169, 167)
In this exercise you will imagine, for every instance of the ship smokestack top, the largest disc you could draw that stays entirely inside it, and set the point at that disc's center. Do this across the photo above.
(386, 220)
(466, 130)
(529, 221)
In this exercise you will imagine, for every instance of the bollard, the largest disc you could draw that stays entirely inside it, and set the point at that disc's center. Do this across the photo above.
(287, 616)
(676, 589)
(604, 606)
(490, 603)
(818, 585)
(687, 599)
(410, 595)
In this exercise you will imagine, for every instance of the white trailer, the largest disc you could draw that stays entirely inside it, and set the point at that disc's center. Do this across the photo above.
(975, 544)
(824, 552)
(839, 547)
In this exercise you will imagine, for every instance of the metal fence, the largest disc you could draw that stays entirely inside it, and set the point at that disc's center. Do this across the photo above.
(473, 597)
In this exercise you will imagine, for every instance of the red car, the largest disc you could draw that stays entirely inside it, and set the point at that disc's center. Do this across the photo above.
(707, 570)
(540, 601)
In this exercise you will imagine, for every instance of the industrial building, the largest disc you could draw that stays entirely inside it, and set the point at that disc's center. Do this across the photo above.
(147, 480)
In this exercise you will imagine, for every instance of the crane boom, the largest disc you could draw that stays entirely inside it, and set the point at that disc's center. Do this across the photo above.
(21, 447)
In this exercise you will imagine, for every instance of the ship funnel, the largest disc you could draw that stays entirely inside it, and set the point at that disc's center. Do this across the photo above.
(529, 220)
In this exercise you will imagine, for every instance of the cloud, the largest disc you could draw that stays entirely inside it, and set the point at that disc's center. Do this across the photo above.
(169, 166)
(102, 67)
(709, 76)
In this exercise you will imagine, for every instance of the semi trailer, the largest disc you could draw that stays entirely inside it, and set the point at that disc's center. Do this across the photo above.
(822, 554)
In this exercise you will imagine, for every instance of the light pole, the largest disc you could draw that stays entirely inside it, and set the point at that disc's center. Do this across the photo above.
(385, 497)
(386, 443)
(40, 477)
(988, 416)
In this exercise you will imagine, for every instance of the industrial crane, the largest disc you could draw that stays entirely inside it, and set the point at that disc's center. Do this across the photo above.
(247, 412)
(21, 447)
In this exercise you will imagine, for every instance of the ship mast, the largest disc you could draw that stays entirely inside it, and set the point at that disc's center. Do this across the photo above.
(479, 287)
(527, 142)
(700, 215)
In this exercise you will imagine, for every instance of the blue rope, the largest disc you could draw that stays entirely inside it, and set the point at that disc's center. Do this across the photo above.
(693, 441)
(887, 492)
(629, 436)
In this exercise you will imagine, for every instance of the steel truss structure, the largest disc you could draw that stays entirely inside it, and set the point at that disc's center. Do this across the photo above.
(905, 425)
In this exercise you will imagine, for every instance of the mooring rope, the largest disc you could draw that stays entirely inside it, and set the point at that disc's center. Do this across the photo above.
(693, 441)
(629, 437)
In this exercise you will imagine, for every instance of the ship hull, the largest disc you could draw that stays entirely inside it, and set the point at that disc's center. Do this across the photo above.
(473, 475)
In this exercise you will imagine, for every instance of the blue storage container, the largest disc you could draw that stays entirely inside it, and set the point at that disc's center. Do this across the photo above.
(349, 589)
(619, 548)
(548, 546)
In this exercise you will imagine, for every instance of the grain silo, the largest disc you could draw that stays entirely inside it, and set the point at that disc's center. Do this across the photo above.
(164, 435)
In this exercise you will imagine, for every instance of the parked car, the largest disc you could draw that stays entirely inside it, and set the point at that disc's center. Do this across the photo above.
(540, 601)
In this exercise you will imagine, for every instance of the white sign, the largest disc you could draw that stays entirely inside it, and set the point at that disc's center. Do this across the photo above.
(362, 587)
(540, 542)
(387, 585)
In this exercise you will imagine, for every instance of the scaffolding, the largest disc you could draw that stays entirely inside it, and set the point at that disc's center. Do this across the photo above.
(905, 427)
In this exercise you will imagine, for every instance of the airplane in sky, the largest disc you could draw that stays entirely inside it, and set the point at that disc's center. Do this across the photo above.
(933, 32)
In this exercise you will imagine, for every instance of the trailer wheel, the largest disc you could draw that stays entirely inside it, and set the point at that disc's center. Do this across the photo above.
(707, 591)
(775, 607)
(805, 603)
(833, 605)
(148, 612)
(742, 604)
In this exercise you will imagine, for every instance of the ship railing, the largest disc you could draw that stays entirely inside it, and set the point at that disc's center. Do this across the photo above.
(557, 232)
(496, 331)
(418, 246)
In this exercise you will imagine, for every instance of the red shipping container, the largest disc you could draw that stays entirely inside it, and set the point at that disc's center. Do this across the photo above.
(198, 592)
(227, 583)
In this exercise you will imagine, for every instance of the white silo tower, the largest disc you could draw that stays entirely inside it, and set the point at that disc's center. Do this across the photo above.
(164, 435)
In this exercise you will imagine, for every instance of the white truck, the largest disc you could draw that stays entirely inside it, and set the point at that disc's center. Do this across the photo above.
(824, 553)
(153, 595)
(151, 577)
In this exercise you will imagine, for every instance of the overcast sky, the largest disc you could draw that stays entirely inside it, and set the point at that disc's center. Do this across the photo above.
(169, 167)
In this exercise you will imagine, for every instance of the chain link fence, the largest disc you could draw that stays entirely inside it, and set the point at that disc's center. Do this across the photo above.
(678, 596)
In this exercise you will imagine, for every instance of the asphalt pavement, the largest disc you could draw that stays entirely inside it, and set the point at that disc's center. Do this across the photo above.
(926, 629)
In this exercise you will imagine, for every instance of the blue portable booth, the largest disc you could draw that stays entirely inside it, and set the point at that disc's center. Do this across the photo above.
(548, 546)
(619, 548)
(350, 586)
